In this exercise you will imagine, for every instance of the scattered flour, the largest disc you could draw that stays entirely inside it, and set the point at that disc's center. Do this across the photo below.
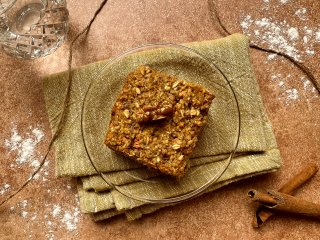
(44, 171)
(58, 217)
(288, 94)
(284, 1)
(35, 163)
(301, 13)
(309, 87)
(277, 35)
(5, 188)
(281, 36)
(56, 210)
(292, 94)
(246, 23)
(38, 134)
(293, 33)
(310, 52)
(293, 40)
(71, 219)
(24, 147)
(281, 84)
(24, 204)
(272, 56)
(68, 218)
(306, 83)
(24, 214)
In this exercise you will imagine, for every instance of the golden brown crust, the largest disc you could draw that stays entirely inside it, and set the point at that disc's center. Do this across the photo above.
(156, 120)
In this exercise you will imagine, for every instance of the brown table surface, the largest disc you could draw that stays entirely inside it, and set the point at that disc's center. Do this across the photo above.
(292, 105)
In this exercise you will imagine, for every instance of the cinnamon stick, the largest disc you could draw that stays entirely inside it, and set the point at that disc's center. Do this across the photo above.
(263, 213)
(286, 203)
(296, 181)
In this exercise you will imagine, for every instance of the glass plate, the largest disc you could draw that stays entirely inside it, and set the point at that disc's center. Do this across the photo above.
(145, 184)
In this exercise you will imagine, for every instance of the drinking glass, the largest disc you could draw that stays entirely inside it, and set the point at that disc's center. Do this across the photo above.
(32, 28)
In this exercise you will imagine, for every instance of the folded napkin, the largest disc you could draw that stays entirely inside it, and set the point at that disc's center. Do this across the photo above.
(257, 152)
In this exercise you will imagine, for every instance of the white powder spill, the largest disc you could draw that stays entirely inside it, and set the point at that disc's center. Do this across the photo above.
(284, 1)
(301, 13)
(310, 52)
(309, 87)
(5, 188)
(277, 35)
(56, 210)
(317, 36)
(50, 236)
(272, 56)
(281, 84)
(295, 40)
(35, 164)
(308, 31)
(38, 134)
(308, 35)
(24, 214)
(306, 83)
(43, 174)
(293, 33)
(24, 147)
(280, 36)
(57, 217)
(292, 94)
(289, 94)
(71, 219)
(246, 23)
(276, 77)
(286, 95)
(24, 204)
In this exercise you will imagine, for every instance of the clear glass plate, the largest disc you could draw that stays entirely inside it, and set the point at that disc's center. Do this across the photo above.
(145, 184)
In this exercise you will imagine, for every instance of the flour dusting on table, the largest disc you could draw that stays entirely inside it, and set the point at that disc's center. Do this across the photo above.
(5, 188)
(59, 216)
(290, 94)
(24, 146)
(284, 1)
(301, 13)
(296, 40)
(282, 36)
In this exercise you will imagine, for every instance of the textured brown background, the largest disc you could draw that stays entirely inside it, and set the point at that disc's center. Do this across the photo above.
(223, 214)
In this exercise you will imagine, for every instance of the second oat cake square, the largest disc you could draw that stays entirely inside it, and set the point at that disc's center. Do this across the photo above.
(156, 120)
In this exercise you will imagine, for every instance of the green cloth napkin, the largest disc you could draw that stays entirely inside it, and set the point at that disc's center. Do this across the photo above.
(96, 183)
(257, 152)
